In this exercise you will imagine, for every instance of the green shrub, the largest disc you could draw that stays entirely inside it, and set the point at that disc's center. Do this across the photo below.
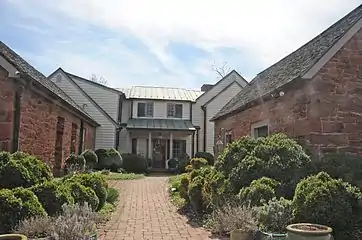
(52, 196)
(259, 192)
(172, 163)
(198, 163)
(184, 186)
(39, 171)
(183, 161)
(109, 159)
(149, 162)
(14, 174)
(91, 158)
(275, 215)
(82, 194)
(10, 210)
(30, 203)
(345, 166)
(94, 181)
(4, 158)
(22, 170)
(112, 195)
(216, 189)
(205, 155)
(276, 157)
(16, 205)
(324, 200)
(74, 163)
(195, 193)
(134, 163)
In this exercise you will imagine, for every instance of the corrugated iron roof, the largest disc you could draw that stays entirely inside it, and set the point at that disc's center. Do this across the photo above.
(163, 124)
(161, 93)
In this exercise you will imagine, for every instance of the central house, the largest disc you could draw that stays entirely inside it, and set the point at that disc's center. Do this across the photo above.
(160, 126)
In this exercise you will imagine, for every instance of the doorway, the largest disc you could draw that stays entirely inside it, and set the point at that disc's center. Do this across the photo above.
(58, 153)
(159, 153)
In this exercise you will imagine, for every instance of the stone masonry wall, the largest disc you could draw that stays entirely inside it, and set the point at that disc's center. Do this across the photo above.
(324, 112)
(6, 111)
(38, 127)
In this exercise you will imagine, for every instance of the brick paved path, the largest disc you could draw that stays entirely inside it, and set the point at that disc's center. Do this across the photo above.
(145, 212)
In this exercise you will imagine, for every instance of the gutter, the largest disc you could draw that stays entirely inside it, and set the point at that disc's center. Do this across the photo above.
(203, 108)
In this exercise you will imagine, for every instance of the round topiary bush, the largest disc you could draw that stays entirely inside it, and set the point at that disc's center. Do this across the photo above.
(52, 196)
(327, 201)
(22, 170)
(39, 171)
(94, 181)
(172, 163)
(259, 192)
(206, 155)
(82, 194)
(277, 157)
(182, 162)
(74, 163)
(31, 206)
(91, 158)
(109, 159)
(198, 163)
(13, 174)
(134, 163)
(10, 210)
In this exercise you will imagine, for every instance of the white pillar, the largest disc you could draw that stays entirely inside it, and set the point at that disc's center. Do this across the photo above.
(171, 145)
(149, 145)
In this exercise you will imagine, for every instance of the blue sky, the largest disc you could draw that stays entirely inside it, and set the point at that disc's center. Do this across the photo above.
(162, 43)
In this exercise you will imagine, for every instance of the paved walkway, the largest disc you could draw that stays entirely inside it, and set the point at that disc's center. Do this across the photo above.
(145, 212)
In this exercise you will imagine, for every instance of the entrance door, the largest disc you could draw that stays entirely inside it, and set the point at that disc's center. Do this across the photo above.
(159, 153)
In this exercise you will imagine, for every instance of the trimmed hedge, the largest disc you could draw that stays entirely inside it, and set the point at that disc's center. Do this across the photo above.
(206, 155)
(22, 170)
(82, 194)
(16, 205)
(277, 157)
(74, 163)
(94, 181)
(198, 163)
(91, 158)
(259, 192)
(52, 196)
(324, 200)
(109, 159)
(134, 163)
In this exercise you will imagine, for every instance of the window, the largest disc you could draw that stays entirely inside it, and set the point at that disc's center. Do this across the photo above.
(262, 131)
(145, 109)
(178, 148)
(174, 110)
(134, 145)
(83, 138)
(228, 138)
(73, 138)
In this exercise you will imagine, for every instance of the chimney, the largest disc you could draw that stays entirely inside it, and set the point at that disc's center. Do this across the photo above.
(206, 87)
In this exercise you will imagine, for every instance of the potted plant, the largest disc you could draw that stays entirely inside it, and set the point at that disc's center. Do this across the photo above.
(13, 237)
(308, 231)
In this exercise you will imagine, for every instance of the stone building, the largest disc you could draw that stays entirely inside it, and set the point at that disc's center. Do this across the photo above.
(314, 94)
(37, 117)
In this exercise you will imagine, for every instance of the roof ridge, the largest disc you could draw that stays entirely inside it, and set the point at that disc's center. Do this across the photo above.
(145, 86)
(314, 38)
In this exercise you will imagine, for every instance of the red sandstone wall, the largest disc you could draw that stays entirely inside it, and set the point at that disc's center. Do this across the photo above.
(326, 111)
(6, 111)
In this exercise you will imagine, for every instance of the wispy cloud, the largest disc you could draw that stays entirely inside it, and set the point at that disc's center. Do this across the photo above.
(161, 42)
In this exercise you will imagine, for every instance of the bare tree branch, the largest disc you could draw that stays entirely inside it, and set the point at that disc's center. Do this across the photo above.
(100, 80)
(221, 71)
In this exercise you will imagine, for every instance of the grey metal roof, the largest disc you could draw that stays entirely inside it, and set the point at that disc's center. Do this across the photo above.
(292, 66)
(24, 67)
(163, 93)
(161, 124)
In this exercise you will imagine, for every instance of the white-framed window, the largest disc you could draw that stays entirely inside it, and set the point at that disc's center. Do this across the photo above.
(178, 148)
(260, 129)
(145, 109)
(174, 110)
